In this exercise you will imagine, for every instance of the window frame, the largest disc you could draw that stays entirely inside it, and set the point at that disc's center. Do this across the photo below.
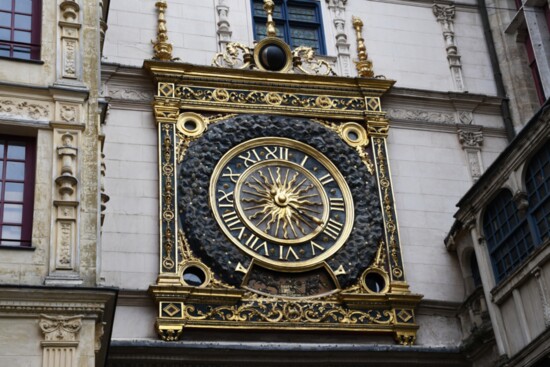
(535, 166)
(287, 24)
(34, 45)
(25, 240)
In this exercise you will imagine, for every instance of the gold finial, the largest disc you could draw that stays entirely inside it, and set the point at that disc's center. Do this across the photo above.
(363, 64)
(269, 5)
(163, 49)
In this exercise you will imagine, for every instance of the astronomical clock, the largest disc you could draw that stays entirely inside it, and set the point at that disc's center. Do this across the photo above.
(276, 202)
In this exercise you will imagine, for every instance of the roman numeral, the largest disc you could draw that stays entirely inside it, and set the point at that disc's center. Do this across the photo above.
(326, 179)
(277, 153)
(227, 197)
(304, 160)
(316, 246)
(333, 229)
(248, 160)
(232, 176)
(290, 251)
(231, 219)
(337, 204)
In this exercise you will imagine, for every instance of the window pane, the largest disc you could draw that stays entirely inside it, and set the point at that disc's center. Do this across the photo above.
(23, 6)
(15, 171)
(4, 51)
(5, 19)
(5, 4)
(22, 36)
(22, 53)
(304, 37)
(10, 233)
(13, 213)
(14, 191)
(5, 34)
(22, 21)
(302, 14)
(259, 10)
(1, 142)
(261, 31)
(16, 151)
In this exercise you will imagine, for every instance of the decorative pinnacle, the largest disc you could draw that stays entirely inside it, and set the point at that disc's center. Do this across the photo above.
(269, 5)
(163, 49)
(363, 65)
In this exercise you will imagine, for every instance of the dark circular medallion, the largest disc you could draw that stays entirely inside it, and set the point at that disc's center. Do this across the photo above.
(273, 57)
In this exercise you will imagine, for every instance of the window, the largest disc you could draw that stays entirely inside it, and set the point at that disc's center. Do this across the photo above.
(20, 29)
(537, 181)
(298, 23)
(16, 190)
(508, 236)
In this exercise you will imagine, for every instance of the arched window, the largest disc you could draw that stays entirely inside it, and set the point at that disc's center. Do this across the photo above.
(508, 237)
(537, 181)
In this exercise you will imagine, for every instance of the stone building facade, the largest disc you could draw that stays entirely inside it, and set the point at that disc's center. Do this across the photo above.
(465, 121)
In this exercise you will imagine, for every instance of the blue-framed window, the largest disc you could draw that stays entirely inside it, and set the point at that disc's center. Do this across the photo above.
(508, 237)
(298, 23)
(537, 182)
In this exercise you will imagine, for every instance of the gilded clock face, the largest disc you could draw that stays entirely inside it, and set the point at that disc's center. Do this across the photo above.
(280, 205)
(281, 202)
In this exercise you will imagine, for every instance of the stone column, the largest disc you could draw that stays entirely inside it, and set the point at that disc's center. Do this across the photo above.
(488, 281)
(61, 340)
(445, 16)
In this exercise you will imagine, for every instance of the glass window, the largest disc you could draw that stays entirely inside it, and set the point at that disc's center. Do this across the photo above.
(16, 190)
(508, 237)
(298, 23)
(20, 29)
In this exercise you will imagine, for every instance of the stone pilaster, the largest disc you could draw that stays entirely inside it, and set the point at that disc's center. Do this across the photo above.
(224, 28)
(61, 338)
(69, 25)
(445, 15)
(471, 141)
(338, 11)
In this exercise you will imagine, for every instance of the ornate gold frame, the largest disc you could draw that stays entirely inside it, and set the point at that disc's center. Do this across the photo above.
(352, 108)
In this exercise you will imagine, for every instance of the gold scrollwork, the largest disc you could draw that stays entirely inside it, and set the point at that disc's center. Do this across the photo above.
(290, 312)
(236, 56)
(387, 203)
(264, 98)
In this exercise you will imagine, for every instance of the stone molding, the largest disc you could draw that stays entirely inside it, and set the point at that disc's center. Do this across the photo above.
(224, 28)
(60, 328)
(445, 15)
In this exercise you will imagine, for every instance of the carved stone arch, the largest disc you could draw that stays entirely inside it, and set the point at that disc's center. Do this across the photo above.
(521, 170)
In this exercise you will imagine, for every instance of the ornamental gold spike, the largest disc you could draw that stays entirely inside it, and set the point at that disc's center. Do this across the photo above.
(163, 49)
(363, 64)
(269, 5)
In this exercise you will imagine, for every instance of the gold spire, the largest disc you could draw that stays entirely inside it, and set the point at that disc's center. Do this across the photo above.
(363, 64)
(269, 5)
(163, 49)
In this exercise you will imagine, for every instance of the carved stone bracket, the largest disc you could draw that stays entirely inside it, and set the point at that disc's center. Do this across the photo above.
(70, 29)
(338, 10)
(61, 340)
(224, 28)
(471, 141)
(445, 15)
